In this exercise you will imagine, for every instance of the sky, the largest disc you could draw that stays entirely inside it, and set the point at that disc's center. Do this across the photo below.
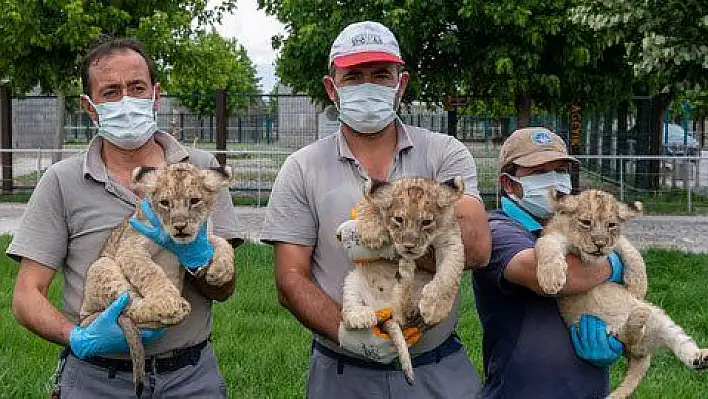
(253, 29)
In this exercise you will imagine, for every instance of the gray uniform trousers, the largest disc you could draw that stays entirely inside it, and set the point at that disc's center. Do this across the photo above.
(453, 377)
(81, 380)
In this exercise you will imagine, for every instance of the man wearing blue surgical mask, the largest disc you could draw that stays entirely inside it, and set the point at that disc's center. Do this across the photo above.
(528, 350)
(72, 211)
(315, 191)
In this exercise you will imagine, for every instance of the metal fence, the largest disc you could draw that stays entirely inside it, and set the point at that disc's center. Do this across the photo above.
(664, 184)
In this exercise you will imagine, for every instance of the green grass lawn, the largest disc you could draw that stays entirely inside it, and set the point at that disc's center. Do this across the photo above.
(264, 352)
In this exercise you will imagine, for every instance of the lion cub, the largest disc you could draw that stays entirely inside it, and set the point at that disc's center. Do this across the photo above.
(182, 196)
(413, 214)
(589, 225)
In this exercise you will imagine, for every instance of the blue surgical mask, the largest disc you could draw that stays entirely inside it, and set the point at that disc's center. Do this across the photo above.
(367, 108)
(128, 123)
(536, 191)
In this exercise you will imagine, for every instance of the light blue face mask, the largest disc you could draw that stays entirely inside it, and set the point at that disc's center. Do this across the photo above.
(367, 108)
(536, 187)
(128, 123)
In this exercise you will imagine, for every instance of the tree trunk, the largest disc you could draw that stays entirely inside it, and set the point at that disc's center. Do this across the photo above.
(522, 103)
(58, 142)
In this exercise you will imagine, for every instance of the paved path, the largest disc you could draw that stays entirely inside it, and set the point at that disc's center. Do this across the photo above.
(687, 233)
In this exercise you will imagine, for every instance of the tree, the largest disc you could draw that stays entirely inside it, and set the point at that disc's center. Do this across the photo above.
(511, 51)
(228, 68)
(664, 40)
(42, 42)
(664, 43)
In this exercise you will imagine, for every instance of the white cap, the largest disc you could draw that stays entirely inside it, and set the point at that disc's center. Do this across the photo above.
(363, 42)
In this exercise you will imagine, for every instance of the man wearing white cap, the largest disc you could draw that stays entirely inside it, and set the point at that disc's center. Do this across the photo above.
(528, 351)
(314, 193)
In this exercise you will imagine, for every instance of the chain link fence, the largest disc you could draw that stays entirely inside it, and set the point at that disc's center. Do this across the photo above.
(680, 186)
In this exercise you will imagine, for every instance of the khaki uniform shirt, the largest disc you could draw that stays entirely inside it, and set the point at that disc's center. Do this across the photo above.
(318, 185)
(72, 211)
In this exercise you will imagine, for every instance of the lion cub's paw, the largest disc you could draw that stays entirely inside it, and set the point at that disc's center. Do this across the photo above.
(372, 241)
(219, 274)
(175, 313)
(701, 360)
(433, 305)
(359, 317)
(552, 277)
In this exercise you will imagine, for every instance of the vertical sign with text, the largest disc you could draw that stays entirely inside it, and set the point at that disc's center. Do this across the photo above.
(575, 137)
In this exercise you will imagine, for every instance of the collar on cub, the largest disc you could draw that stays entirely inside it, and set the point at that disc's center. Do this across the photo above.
(520, 216)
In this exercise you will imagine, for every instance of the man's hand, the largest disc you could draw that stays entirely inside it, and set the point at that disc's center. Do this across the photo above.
(374, 343)
(593, 344)
(351, 241)
(617, 268)
(104, 336)
(193, 255)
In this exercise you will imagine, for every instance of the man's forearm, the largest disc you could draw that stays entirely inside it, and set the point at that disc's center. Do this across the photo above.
(474, 227)
(310, 305)
(37, 314)
(582, 277)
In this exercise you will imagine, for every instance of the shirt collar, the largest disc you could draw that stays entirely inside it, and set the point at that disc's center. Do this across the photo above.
(93, 162)
(404, 141)
(520, 216)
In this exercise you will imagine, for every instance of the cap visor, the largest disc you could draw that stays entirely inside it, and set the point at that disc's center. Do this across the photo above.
(347, 61)
(539, 158)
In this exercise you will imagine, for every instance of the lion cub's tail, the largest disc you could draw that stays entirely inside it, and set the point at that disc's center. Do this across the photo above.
(137, 352)
(393, 329)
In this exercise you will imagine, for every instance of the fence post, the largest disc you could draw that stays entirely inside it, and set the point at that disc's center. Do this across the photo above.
(689, 199)
(39, 164)
(6, 136)
(621, 172)
(222, 123)
(258, 189)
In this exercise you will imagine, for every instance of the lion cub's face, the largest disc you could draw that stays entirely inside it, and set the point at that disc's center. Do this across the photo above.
(591, 220)
(182, 195)
(413, 210)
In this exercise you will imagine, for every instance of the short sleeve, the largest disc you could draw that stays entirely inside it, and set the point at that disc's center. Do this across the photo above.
(289, 216)
(43, 232)
(508, 239)
(458, 161)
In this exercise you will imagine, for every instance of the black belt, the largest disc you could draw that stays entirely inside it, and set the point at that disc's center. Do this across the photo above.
(451, 345)
(182, 357)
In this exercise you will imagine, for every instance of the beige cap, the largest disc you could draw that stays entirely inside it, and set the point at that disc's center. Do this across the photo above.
(533, 146)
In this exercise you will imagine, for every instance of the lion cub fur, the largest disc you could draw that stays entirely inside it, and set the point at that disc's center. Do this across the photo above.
(589, 226)
(412, 214)
(182, 196)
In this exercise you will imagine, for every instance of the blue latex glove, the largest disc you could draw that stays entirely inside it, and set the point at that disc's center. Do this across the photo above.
(104, 336)
(193, 256)
(617, 268)
(593, 344)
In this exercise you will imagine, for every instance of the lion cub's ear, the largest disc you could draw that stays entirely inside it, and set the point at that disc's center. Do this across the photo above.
(630, 211)
(378, 192)
(562, 203)
(451, 192)
(142, 180)
(217, 177)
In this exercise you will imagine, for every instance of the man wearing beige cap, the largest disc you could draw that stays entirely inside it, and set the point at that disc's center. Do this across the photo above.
(528, 351)
(314, 193)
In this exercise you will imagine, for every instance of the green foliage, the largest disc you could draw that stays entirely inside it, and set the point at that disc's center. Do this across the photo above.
(227, 67)
(487, 50)
(664, 40)
(42, 42)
